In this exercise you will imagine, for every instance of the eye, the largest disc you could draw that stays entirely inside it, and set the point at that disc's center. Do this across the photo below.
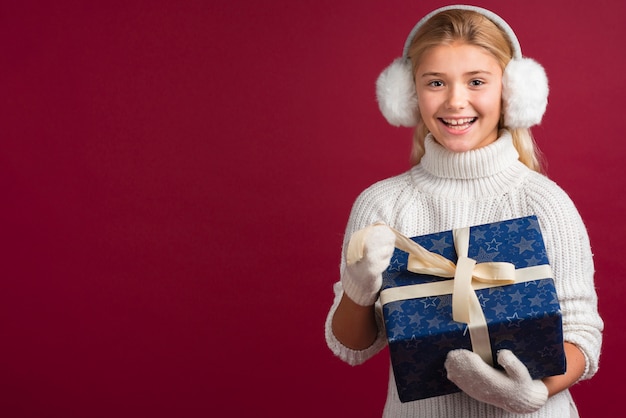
(435, 83)
(476, 83)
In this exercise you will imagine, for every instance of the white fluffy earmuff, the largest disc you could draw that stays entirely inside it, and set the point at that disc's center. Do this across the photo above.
(524, 93)
(395, 91)
(524, 82)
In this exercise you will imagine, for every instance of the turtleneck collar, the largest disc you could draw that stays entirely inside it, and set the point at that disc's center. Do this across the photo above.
(475, 164)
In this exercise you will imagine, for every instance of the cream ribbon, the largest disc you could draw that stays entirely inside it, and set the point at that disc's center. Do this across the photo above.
(468, 277)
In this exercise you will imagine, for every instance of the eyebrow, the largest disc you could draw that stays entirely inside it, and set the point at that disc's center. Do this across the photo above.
(469, 73)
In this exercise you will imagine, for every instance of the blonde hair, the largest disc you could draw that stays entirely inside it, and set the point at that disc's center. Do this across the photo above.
(475, 29)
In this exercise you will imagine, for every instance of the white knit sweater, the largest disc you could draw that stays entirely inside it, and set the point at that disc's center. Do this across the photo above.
(450, 190)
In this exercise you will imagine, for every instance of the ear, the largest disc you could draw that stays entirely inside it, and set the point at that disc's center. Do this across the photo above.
(524, 93)
(395, 91)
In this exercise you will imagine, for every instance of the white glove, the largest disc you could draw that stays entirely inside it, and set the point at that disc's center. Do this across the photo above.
(512, 389)
(368, 255)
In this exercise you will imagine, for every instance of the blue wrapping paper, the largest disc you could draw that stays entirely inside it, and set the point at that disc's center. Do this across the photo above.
(523, 317)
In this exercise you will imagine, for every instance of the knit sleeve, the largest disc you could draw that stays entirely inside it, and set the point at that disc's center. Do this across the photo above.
(350, 356)
(569, 251)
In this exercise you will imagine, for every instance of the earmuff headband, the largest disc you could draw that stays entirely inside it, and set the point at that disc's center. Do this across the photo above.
(517, 49)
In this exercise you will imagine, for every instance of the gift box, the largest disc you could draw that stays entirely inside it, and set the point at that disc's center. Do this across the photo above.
(522, 315)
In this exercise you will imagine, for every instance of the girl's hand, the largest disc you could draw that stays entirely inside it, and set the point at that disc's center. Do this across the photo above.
(368, 255)
(512, 389)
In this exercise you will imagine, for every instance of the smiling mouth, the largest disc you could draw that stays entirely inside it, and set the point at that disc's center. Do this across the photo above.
(458, 124)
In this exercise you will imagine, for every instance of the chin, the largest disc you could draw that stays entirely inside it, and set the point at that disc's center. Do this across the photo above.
(463, 143)
(457, 145)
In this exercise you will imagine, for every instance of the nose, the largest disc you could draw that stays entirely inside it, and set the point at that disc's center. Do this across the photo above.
(457, 97)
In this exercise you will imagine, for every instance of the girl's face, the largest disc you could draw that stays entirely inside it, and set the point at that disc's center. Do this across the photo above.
(459, 90)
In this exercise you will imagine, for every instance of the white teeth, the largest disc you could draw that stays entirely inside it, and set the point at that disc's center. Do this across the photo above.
(456, 122)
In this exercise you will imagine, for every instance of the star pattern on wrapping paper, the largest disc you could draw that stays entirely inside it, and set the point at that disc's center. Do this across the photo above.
(434, 322)
(499, 309)
(395, 316)
(413, 304)
(533, 223)
(523, 345)
(496, 294)
(439, 245)
(397, 329)
(505, 333)
(429, 301)
(444, 300)
(547, 351)
(533, 261)
(395, 265)
(415, 321)
(513, 227)
(493, 245)
(483, 300)
(478, 234)
(524, 245)
(555, 299)
(543, 292)
(517, 296)
(444, 342)
(495, 230)
(514, 321)
(485, 256)
(413, 343)
(552, 335)
(536, 300)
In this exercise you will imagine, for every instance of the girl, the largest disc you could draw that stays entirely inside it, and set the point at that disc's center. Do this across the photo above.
(462, 81)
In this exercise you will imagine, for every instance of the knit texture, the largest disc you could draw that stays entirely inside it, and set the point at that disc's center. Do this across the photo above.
(362, 279)
(451, 190)
(512, 388)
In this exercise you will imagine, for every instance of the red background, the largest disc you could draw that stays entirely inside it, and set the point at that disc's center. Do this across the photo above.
(176, 177)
